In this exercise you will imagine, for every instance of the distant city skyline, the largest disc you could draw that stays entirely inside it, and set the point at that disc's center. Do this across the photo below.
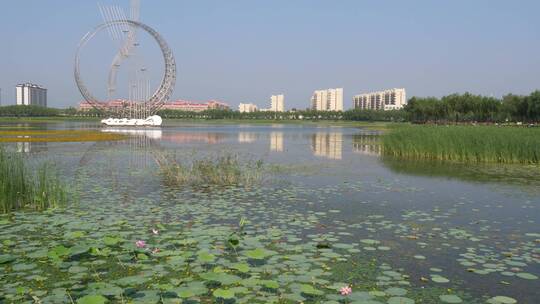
(244, 50)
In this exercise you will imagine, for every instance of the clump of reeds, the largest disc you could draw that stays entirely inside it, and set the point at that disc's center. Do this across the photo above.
(21, 189)
(464, 144)
(220, 170)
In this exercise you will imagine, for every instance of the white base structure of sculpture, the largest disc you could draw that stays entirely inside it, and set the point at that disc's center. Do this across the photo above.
(151, 121)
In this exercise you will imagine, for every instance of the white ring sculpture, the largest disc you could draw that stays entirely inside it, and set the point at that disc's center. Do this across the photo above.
(164, 91)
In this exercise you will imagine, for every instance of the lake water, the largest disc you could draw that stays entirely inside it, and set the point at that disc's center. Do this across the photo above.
(333, 213)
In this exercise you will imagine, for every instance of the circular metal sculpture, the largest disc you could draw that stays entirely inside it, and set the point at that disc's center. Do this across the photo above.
(137, 110)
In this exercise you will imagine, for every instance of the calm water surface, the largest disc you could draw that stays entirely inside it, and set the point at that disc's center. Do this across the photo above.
(476, 227)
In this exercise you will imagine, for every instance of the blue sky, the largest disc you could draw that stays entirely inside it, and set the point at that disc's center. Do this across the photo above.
(244, 51)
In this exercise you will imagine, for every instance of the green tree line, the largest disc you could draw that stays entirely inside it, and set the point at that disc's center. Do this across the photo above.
(28, 111)
(455, 108)
(474, 108)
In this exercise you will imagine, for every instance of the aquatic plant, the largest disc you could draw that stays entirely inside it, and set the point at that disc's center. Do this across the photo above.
(221, 170)
(345, 290)
(20, 189)
(464, 144)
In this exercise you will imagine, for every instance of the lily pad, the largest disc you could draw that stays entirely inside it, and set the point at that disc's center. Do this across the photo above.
(223, 293)
(450, 299)
(92, 299)
(501, 300)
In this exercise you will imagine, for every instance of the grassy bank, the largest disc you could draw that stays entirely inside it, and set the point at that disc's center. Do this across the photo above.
(464, 143)
(22, 189)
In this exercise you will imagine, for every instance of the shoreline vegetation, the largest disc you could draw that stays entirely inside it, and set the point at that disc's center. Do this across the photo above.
(455, 108)
(464, 144)
(23, 189)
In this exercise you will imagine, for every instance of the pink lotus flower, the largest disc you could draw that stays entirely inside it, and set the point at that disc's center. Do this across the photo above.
(155, 231)
(140, 244)
(345, 290)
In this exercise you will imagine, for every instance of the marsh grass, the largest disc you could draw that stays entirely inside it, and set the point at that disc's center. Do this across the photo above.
(21, 189)
(489, 144)
(219, 170)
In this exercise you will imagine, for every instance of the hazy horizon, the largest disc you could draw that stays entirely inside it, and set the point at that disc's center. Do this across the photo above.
(245, 51)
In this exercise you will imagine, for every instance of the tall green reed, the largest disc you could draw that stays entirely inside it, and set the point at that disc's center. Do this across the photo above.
(217, 170)
(22, 189)
(464, 143)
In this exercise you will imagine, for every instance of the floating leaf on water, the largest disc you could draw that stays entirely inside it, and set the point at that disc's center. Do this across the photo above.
(370, 241)
(223, 293)
(258, 253)
(309, 290)
(526, 276)
(242, 267)
(205, 257)
(502, 300)
(92, 299)
(450, 299)
(439, 279)
(6, 258)
(400, 300)
(270, 284)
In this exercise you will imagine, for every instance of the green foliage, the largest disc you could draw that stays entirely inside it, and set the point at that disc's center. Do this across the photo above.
(310, 115)
(474, 108)
(464, 144)
(28, 111)
(221, 170)
(20, 189)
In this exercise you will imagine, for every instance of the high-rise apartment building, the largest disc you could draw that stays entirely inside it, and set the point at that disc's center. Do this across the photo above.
(392, 99)
(247, 108)
(277, 103)
(31, 94)
(327, 100)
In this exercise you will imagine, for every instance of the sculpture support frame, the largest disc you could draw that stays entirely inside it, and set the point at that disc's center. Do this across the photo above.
(160, 96)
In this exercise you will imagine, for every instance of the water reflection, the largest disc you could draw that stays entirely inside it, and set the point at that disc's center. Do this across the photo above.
(497, 173)
(150, 133)
(31, 147)
(191, 137)
(247, 137)
(367, 144)
(329, 145)
(276, 141)
(135, 152)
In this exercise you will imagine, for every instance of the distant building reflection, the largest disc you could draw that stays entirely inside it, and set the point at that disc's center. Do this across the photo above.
(276, 141)
(329, 145)
(247, 137)
(190, 137)
(366, 144)
(31, 147)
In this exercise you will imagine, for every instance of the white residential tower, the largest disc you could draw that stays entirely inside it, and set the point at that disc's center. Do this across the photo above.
(327, 100)
(31, 94)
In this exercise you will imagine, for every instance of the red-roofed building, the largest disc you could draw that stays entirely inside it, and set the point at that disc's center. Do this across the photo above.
(182, 105)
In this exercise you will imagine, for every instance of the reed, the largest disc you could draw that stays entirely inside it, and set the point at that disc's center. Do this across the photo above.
(477, 144)
(21, 189)
(220, 170)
